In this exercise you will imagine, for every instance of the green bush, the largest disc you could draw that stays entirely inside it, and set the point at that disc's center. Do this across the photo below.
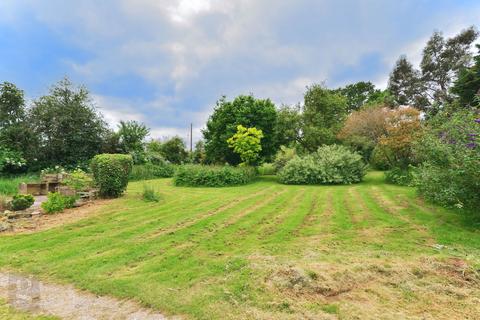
(21, 202)
(151, 171)
(78, 180)
(333, 164)
(266, 169)
(150, 194)
(111, 173)
(400, 176)
(450, 150)
(57, 202)
(378, 159)
(213, 176)
(284, 155)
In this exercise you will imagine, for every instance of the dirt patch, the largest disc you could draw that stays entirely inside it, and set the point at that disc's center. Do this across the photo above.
(49, 221)
(31, 295)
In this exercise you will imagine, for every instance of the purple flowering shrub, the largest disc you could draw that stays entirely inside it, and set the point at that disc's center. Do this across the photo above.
(450, 154)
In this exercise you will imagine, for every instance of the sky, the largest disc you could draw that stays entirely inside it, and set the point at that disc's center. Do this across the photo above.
(166, 63)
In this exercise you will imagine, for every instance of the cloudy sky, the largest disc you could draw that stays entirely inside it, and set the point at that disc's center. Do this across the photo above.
(166, 62)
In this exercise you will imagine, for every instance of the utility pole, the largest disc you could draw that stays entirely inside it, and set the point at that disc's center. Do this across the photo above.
(191, 137)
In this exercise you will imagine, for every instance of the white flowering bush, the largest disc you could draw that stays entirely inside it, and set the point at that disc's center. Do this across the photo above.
(11, 161)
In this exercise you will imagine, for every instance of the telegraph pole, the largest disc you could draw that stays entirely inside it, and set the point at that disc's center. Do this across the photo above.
(191, 137)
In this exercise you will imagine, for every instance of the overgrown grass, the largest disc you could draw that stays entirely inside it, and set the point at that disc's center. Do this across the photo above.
(267, 251)
(9, 184)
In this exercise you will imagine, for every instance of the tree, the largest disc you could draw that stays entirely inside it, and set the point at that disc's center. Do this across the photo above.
(467, 85)
(364, 128)
(247, 143)
(222, 124)
(288, 126)
(402, 130)
(199, 155)
(323, 114)
(132, 136)
(428, 89)
(358, 94)
(69, 128)
(15, 132)
(174, 150)
(405, 83)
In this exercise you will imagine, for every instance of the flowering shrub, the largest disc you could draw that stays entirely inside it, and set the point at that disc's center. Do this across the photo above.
(11, 161)
(78, 180)
(450, 150)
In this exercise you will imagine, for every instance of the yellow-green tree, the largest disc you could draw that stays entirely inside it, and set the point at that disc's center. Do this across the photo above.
(247, 144)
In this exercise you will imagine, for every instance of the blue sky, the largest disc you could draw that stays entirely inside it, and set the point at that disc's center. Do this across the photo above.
(166, 62)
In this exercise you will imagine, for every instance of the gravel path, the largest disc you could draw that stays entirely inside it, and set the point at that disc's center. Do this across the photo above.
(29, 294)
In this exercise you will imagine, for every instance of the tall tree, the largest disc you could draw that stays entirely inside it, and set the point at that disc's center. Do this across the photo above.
(467, 85)
(132, 135)
(243, 110)
(428, 89)
(405, 83)
(69, 128)
(359, 94)
(323, 114)
(288, 126)
(15, 133)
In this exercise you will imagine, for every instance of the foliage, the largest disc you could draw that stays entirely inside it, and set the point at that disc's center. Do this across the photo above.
(21, 202)
(199, 155)
(53, 170)
(400, 176)
(212, 176)
(364, 128)
(334, 164)
(450, 154)
(247, 143)
(378, 159)
(323, 114)
(222, 124)
(403, 129)
(111, 173)
(11, 161)
(132, 136)
(428, 88)
(266, 169)
(283, 156)
(467, 85)
(151, 171)
(359, 94)
(174, 150)
(57, 202)
(78, 180)
(70, 129)
(288, 128)
(150, 194)
(15, 133)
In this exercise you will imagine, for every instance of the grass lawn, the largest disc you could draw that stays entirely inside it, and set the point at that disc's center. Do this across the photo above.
(268, 251)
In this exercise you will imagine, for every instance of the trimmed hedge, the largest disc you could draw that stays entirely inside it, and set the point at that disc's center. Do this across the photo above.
(213, 176)
(111, 172)
(151, 171)
(333, 164)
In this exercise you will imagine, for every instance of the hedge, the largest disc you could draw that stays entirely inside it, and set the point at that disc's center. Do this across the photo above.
(213, 176)
(111, 172)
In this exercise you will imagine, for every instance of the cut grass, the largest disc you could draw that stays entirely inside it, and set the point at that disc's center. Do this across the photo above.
(266, 250)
